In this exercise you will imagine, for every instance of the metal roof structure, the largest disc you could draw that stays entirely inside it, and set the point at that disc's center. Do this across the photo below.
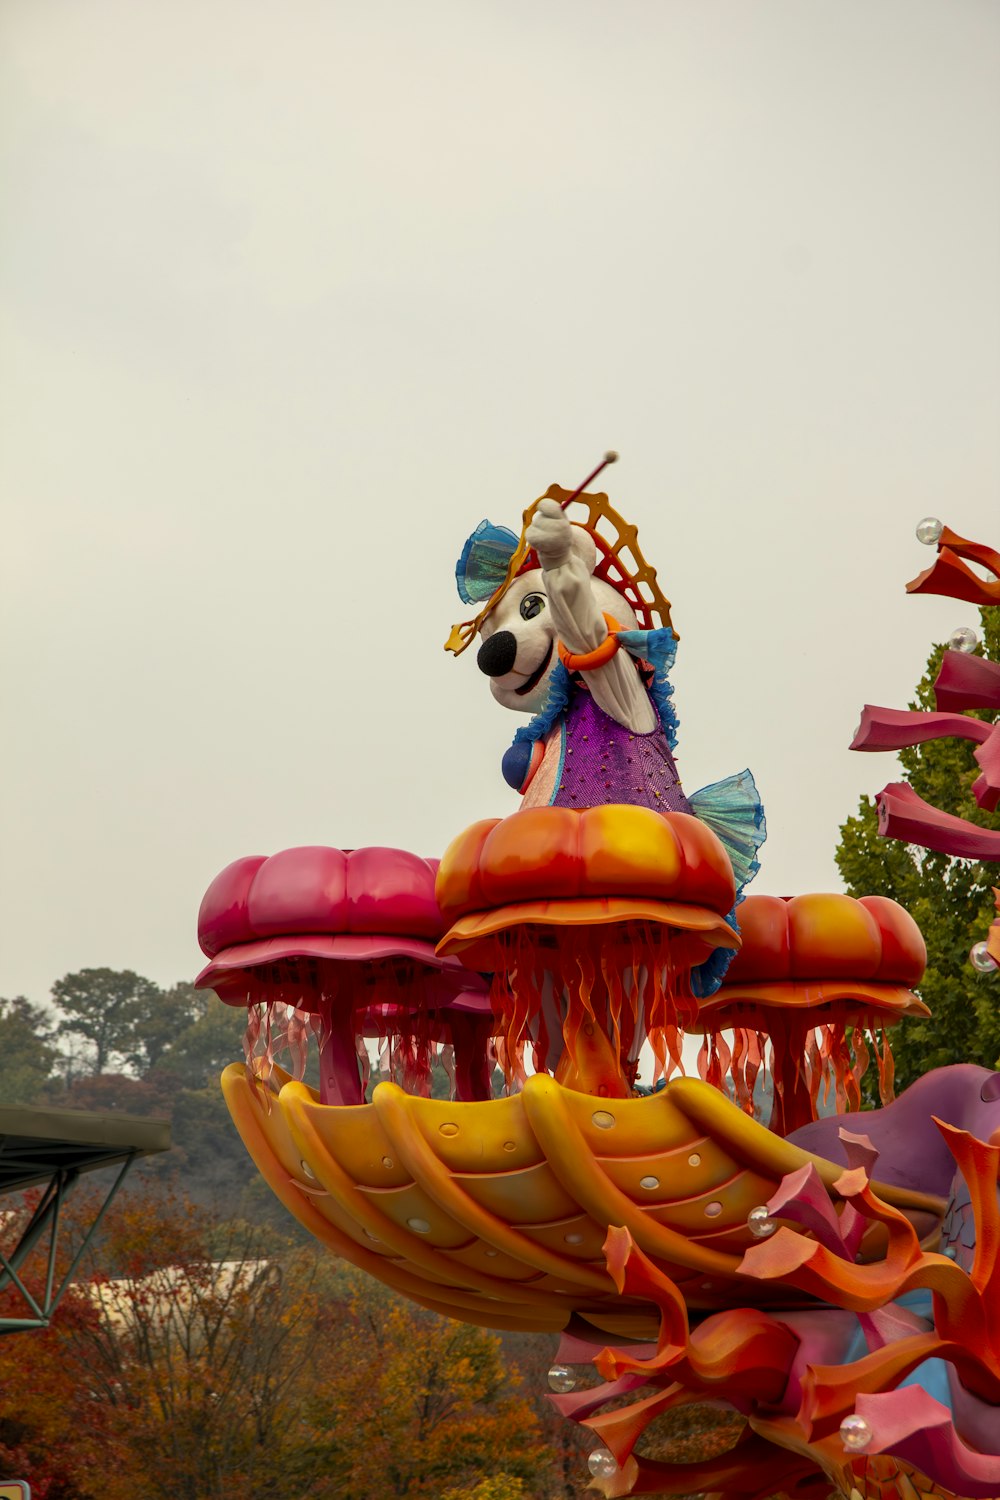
(54, 1148)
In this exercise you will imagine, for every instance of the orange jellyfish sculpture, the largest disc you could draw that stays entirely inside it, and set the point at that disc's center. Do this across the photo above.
(590, 923)
(810, 996)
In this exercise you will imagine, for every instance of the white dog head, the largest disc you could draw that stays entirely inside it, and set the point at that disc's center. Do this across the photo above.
(519, 644)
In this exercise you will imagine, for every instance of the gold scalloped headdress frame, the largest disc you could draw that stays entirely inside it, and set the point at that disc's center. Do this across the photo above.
(620, 561)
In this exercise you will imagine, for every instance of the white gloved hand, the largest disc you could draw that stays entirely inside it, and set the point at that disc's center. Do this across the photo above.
(550, 534)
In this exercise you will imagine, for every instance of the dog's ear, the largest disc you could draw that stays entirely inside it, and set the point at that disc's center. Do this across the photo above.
(584, 547)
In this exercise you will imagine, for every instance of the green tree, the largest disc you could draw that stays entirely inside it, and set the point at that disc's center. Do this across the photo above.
(26, 1049)
(103, 1007)
(213, 1160)
(159, 1017)
(208, 1038)
(950, 899)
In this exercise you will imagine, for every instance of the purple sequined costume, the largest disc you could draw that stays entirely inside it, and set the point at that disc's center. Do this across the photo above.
(602, 761)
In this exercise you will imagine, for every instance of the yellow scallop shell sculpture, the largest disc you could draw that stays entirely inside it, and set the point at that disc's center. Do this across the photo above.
(496, 1212)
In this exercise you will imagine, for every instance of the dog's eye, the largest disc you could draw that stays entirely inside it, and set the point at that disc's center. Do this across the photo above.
(532, 605)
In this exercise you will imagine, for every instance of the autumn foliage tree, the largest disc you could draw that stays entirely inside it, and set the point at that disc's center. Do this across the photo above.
(414, 1404)
(201, 1360)
(56, 1429)
(569, 1444)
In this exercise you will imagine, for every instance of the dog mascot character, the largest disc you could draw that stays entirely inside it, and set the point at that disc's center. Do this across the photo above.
(569, 634)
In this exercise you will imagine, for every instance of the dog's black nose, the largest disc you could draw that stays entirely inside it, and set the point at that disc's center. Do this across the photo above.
(498, 654)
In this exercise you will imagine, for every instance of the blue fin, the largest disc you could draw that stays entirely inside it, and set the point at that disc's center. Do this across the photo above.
(734, 812)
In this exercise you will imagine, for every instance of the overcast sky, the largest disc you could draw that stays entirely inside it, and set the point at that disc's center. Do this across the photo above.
(294, 294)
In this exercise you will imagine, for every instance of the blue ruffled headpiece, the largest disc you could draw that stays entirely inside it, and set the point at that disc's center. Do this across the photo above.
(483, 565)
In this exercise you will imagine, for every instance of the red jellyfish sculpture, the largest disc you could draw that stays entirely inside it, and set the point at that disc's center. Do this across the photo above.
(340, 944)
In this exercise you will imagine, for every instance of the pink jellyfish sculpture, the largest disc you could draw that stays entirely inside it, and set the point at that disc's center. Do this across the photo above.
(340, 944)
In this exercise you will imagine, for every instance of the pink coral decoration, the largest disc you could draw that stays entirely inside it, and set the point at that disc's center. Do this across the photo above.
(911, 1425)
(964, 683)
(904, 815)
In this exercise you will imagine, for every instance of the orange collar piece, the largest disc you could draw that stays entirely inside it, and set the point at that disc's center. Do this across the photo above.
(586, 661)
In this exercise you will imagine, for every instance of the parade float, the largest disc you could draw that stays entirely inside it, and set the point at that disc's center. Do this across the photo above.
(748, 1238)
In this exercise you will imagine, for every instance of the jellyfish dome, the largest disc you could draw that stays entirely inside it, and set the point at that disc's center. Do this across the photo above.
(810, 996)
(591, 923)
(341, 944)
